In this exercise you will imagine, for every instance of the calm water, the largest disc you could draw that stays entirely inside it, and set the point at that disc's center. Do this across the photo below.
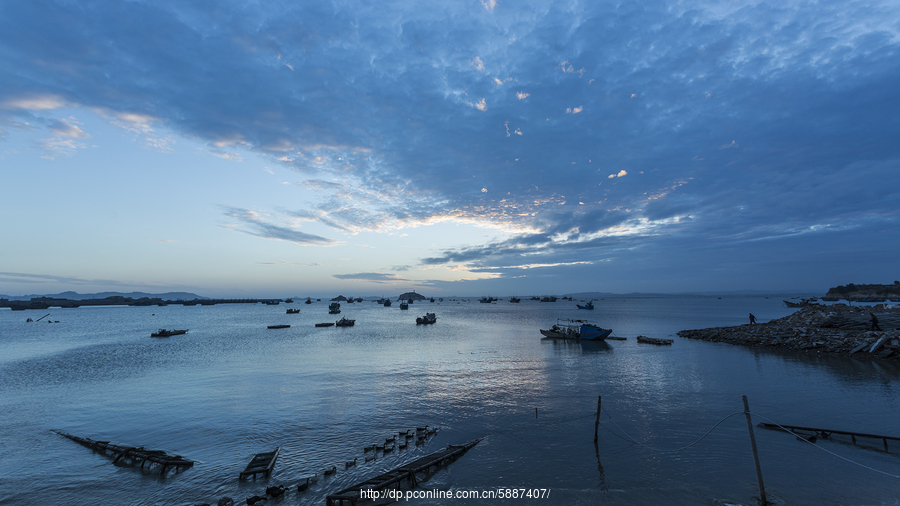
(231, 388)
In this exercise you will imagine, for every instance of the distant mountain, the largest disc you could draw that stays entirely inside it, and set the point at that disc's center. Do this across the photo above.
(103, 295)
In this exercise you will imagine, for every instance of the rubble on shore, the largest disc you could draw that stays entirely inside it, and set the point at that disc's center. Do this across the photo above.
(836, 329)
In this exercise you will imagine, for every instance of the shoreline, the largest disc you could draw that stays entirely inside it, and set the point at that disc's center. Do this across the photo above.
(837, 329)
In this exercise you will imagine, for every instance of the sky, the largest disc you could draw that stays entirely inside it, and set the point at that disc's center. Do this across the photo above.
(474, 147)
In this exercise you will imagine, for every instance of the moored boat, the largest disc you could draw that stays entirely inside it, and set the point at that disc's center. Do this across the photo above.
(167, 333)
(428, 318)
(326, 324)
(344, 322)
(293, 311)
(576, 329)
(515, 300)
(278, 326)
(334, 308)
(589, 305)
(404, 305)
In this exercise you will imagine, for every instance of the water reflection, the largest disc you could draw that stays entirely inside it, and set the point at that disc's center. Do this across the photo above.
(570, 346)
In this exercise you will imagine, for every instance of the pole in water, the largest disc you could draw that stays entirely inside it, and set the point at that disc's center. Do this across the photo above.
(535, 412)
(597, 420)
(759, 479)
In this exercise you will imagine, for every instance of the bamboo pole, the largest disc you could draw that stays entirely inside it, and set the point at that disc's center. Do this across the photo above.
(597, 420)
(759, 478)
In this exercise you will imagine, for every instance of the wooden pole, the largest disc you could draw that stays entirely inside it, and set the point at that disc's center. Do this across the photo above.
(759, 478)
(597, 420)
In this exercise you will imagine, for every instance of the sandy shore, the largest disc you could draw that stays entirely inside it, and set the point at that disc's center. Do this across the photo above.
(838, 329)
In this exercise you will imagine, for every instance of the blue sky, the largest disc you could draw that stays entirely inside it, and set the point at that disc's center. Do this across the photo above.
(235, 148)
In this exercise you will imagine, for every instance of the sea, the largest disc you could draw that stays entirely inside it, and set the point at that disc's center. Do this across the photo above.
(672, 428)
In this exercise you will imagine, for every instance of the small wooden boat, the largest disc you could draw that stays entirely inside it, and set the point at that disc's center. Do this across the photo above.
(279, 326)
(167, 333)
(576, 329)
(293, 311)
(261, 463)
(589, 305)
(404, 305)
(326, 324)
(653, 340)
(344, 322)
(428, 318)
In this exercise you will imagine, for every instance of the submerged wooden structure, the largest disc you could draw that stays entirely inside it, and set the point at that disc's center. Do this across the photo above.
(826, 433)
(130, 455)
(393, 479)
(261, 463)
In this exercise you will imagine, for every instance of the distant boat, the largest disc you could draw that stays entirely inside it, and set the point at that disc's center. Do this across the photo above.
(387, 302)
(308, 301)
(272, 302)
(167, 333)
(334, 308)
(515, 300)
(326, 324)
(344, 322)
(289, 301)
(293, 311)
(548, 299)
(279, 326)
(428, 318)
(589, 305)
(487, 300)
(404, 305)
(576, 329)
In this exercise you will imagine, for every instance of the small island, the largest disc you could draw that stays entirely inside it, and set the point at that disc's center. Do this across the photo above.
(864, 293)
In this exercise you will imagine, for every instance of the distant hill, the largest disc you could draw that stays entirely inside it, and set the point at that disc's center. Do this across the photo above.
(103, 295)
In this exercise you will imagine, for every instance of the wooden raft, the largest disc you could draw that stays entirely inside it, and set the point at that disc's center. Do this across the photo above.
(129, 455)
(394, 478)
(826, 433)
(261, 463)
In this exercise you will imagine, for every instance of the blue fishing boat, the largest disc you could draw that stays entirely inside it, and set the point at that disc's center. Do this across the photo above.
(589, 305)
(576, 329)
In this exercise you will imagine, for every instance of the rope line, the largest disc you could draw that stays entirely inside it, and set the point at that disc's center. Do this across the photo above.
(824, 450)
(635, 441)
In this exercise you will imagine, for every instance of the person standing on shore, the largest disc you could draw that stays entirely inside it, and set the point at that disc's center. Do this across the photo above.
(874, 322)
(752, 319)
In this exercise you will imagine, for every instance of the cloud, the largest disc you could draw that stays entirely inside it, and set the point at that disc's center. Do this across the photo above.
(67, 128)
(371, 116)
(374, 277)
(253, 223)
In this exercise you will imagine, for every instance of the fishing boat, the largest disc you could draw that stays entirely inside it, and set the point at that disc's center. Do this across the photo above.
(515, 300)
(548, 299)
(334, 308)
(344, 322)
(326, 324)
(589, 305)
(167, 333)
(428, 318)
(404, 305)
(278, 326)
(576, 329)
(293, 311)
(387, 303)
(272, 302)
(487, 300)
(308, 301)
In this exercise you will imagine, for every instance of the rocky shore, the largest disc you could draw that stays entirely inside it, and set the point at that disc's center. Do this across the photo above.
(837, 329)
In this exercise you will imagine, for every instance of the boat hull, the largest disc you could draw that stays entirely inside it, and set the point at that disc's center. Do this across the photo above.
(586, 332)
